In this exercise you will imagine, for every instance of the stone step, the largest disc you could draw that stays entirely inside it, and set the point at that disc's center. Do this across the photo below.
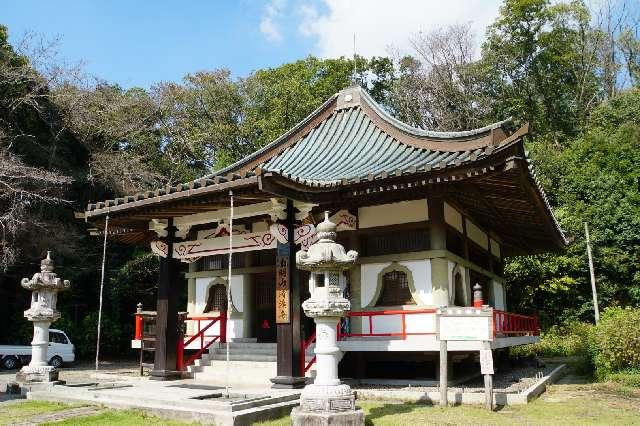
(244, 340)
(232, 350)
(246, 345)
(243, 373)
(243, 357)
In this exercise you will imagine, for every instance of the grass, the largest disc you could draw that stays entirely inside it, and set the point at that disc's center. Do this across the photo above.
(630, 378)
(121, 418)
(565, 405)
(19, 411)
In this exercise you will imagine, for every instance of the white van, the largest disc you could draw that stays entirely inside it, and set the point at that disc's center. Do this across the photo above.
(60, 351)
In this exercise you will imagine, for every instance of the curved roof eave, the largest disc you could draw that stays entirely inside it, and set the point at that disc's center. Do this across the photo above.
(416, 131)
(352, 97)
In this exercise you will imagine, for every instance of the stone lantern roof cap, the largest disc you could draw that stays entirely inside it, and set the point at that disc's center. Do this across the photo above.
(46, 278)
(326, 254)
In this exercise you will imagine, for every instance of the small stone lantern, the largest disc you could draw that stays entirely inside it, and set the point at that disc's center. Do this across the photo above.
(327, 400)
(45, 286)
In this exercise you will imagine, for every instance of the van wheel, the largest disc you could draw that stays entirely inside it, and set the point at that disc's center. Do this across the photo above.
(56, 362)
(10, 362)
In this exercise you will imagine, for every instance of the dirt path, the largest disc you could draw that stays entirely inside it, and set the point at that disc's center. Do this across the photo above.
(60, 415)
(579, 388)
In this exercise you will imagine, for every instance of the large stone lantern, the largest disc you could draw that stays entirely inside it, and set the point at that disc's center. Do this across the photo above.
(327, 400)
(44, 286)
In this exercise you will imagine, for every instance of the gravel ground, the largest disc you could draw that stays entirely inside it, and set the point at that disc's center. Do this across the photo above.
(85, 372)
(511, 380)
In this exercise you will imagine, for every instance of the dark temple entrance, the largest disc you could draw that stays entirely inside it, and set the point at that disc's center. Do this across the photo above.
(265, 310)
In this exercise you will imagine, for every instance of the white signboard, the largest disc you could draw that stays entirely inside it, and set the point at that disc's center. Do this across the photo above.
(472, 327)
(486, 361)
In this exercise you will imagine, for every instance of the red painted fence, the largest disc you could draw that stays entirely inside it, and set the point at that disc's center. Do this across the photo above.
(205, 341)
(507, 324)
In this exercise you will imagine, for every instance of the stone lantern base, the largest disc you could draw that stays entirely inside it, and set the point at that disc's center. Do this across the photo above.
(327, 405)
(44, 373)
(324, 418)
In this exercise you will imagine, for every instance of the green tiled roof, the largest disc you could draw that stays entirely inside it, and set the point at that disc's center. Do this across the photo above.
(349, 145)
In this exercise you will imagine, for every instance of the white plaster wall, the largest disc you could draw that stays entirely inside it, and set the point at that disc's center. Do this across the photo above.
(453, 217)
(414, 323)
(237, 292)
(420, 271)
(495, 247)
(498, 295)
(235, 328)
(369, 280)
(421, 323)
(477, 235)
(393, 213)
(201, 289)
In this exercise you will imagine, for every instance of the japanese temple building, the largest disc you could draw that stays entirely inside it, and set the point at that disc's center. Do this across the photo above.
(431, 214)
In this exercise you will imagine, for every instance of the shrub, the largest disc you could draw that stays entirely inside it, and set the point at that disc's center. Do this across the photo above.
(571, 339)
(617, 341)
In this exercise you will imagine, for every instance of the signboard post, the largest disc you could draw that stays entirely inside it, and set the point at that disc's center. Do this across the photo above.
(486, 369)
(466, 324)
(444, 374)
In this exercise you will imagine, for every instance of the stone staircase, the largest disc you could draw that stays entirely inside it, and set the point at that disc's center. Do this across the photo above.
(250, 363)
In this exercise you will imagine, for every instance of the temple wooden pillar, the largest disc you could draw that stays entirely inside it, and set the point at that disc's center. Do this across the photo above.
(164, 367)
(288, 310)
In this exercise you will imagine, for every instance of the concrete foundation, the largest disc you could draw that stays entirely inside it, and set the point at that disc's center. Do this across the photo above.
(37, 374)
(184, 400)
(322, 418)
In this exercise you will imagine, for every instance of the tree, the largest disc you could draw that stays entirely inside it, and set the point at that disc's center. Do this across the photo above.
(441, 88)
(203, 120)
(598, 176)
(276, 99)
(544, 65)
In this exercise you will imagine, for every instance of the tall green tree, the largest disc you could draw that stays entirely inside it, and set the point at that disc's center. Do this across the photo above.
(541, 65)
(279, 98)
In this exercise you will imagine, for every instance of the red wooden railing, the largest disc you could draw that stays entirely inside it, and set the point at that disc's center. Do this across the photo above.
(508, 324)
(304, 366)
(205, 340)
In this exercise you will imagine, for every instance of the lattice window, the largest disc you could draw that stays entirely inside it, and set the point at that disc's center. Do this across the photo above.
(395, 290)
(217, 299)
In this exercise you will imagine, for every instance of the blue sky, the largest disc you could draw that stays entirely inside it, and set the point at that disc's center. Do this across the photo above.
(137, 43)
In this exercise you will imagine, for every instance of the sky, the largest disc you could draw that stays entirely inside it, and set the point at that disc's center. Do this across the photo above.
(139, 43)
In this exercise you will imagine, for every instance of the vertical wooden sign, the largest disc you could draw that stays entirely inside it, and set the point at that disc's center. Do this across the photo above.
(282, 290)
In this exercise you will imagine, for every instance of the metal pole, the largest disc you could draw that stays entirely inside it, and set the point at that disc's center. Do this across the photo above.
(104, 255)
(443, 374)
(596, 310)
(229, 287)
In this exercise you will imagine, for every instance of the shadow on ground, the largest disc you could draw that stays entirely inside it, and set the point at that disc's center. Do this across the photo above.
(390, 410)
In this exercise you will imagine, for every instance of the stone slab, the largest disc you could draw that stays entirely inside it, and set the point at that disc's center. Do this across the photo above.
(341, 418)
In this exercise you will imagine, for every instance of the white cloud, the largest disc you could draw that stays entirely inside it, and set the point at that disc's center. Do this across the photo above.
(384, 25)
(269, 25)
